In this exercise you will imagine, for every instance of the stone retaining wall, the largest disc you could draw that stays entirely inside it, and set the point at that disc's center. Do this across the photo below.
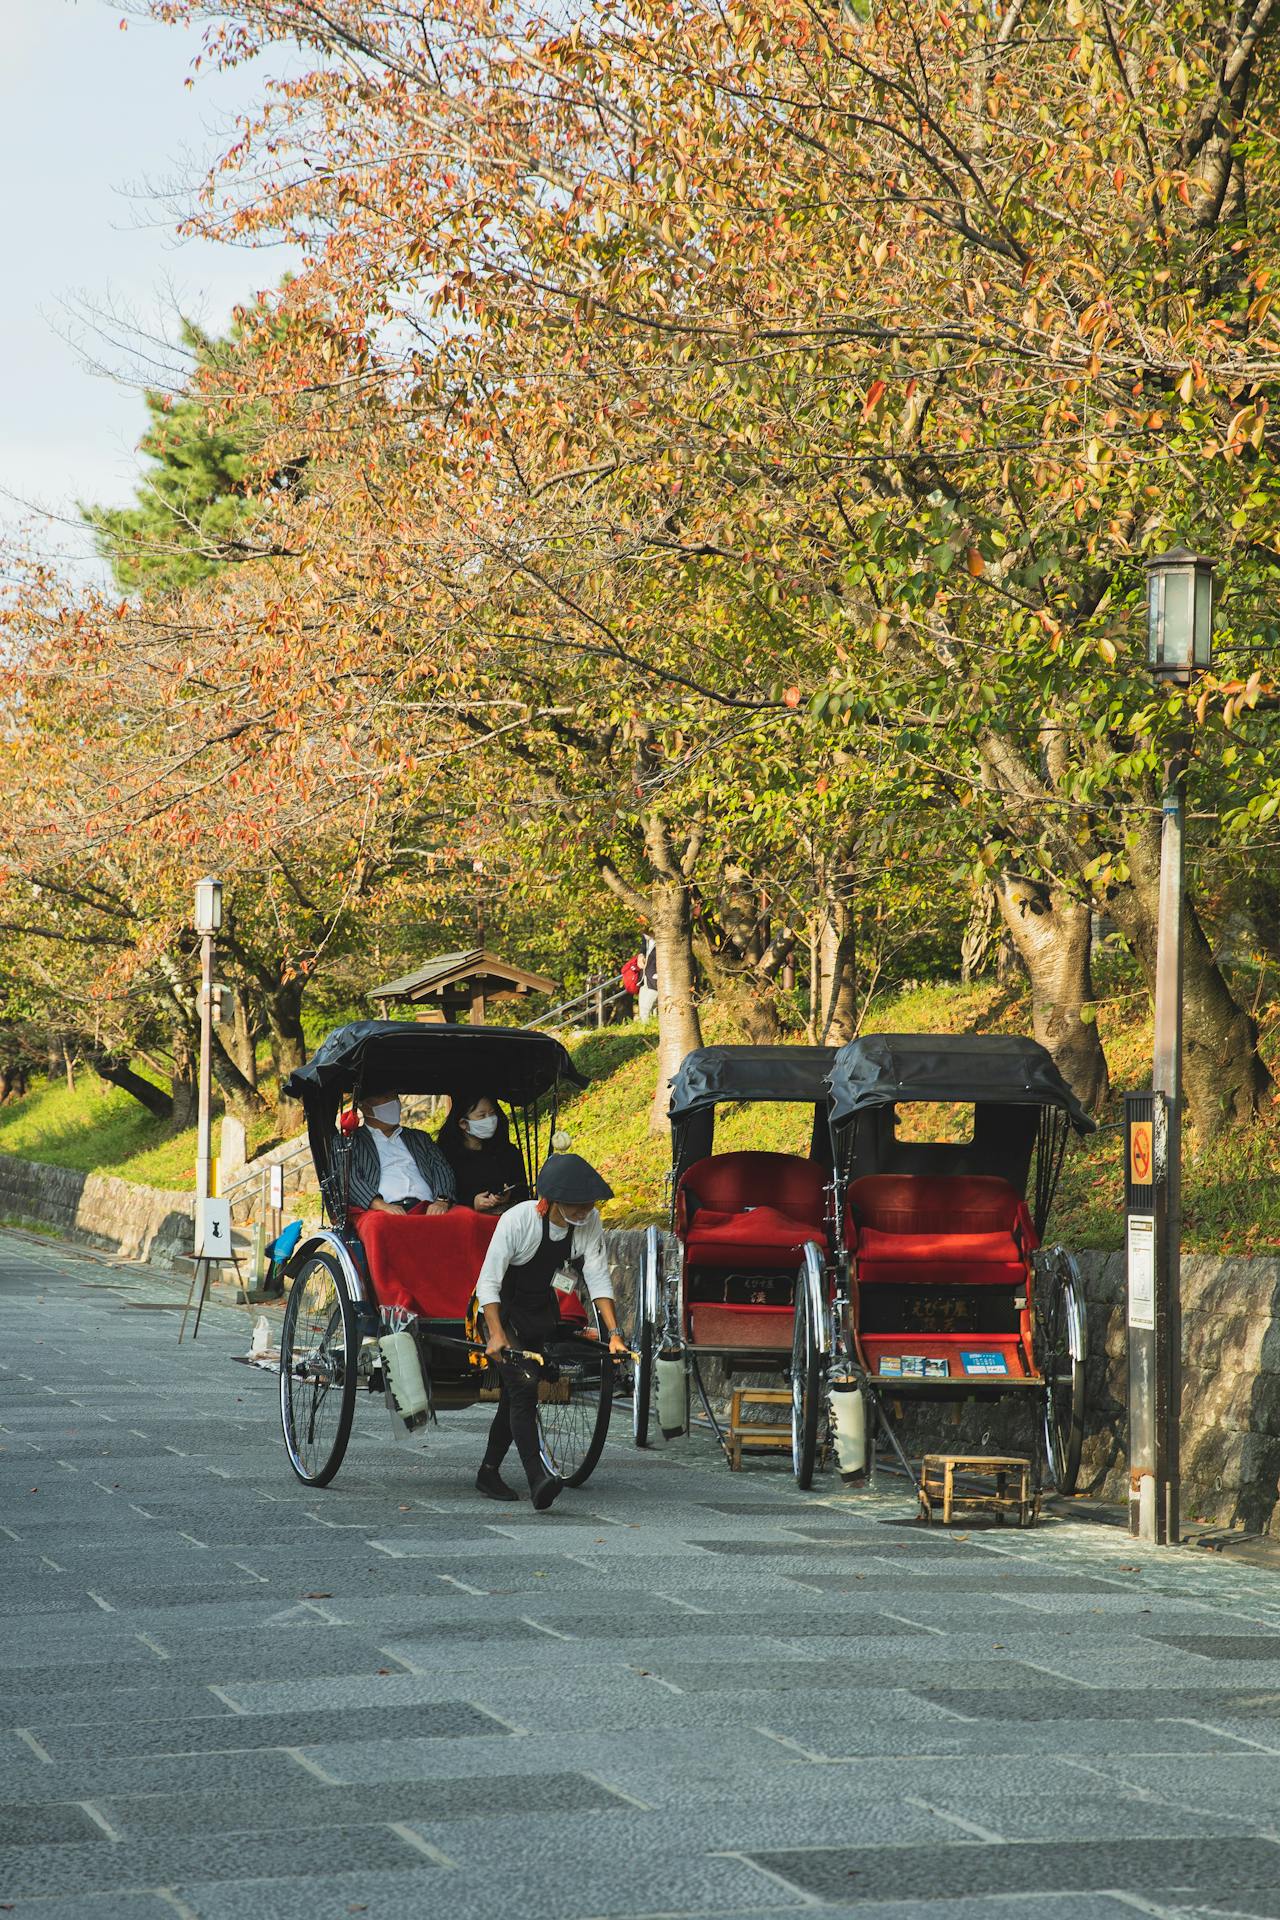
(97, 1210)
(1231, 1387)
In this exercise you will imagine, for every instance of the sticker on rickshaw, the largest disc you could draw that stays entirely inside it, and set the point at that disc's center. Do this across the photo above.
(984, 1362)
(937, 1370)
(890, 1365)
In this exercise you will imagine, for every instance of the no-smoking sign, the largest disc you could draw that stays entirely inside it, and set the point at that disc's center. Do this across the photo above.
(1140, 1153)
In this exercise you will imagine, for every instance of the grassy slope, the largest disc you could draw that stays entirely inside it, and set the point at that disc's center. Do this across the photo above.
(1232, 1195)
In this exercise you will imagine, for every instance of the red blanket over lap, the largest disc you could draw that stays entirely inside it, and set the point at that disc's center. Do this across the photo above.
(426, 1262)
(761, 1234)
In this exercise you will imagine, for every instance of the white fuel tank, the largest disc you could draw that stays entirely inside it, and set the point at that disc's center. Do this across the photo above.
(849, 1418)
(404, 1374)
(672, 1378)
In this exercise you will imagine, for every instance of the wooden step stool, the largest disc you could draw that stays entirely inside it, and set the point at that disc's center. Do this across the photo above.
(756, 1433)
(938, 1473)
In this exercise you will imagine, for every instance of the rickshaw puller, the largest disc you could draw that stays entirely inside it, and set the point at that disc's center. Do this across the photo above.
(517, 1294)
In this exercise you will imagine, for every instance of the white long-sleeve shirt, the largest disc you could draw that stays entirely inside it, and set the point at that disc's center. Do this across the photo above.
(518, 1238)
(401, 1179)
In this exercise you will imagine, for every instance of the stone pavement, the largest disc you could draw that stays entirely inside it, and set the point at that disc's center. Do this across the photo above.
(683, 1692)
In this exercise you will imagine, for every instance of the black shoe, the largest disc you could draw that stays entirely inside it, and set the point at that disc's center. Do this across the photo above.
(491, 1484)
(546, 1491)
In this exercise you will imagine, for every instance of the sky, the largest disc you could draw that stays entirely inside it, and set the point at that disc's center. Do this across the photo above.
(96, 131)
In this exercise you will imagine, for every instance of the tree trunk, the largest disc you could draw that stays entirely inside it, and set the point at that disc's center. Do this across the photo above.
(1223, 1075)
(837, 964)
(241, 1097)
(979, 935)
(679, 1029)
(238, 1039)
(118, 1073)
(742, 958)
(283, 1005)
(183, 1081)
(1051, 932)
(1224, 1079)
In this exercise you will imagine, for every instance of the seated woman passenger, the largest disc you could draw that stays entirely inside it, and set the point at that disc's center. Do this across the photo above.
(488, 1169)
(397, 1169)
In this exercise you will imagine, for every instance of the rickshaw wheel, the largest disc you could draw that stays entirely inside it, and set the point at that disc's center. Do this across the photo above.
(806, 1386)
(646, 1320)
(1063, 1325)
(574, 1417)
(319, 1348)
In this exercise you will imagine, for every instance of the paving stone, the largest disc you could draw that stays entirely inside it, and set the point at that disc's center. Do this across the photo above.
(148, 1863)
(1223, 1646)
(234, 1732)
(45, 1825)
(310, 1803)
(837, 1873)
(90, 1776)
(563, 1890)
(829, 1739)
(108, 1906)
(161, 1701)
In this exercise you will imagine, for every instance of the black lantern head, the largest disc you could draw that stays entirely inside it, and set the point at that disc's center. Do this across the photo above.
(1179, 615)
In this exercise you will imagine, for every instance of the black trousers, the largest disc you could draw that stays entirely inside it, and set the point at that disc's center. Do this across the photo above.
(516, 1417)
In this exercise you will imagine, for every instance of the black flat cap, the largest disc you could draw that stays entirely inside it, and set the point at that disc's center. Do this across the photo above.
(571, 1180)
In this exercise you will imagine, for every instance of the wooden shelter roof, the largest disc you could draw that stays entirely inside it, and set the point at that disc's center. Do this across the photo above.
(454, 969)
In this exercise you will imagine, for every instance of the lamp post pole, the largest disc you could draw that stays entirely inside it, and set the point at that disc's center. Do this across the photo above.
(1179, 645)
(208, 920)
(1166, 1083)
(204, 1129)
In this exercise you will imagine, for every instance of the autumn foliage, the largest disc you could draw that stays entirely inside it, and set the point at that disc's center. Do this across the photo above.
(732, 437)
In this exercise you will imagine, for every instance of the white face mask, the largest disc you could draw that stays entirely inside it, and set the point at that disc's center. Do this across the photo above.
(387, 1111)
(483, 1129)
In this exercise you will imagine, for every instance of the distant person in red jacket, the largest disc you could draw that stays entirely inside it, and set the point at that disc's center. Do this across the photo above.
(648, 994)
(632, 977)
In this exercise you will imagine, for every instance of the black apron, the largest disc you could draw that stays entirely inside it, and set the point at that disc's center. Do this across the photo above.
(529, 1303)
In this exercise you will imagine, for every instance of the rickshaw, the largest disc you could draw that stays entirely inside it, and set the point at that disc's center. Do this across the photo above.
(368, 1283)
(746, 1277)
(952, 1294)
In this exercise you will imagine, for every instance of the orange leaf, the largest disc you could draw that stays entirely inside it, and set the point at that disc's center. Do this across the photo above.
(791, 697)
(875, 394)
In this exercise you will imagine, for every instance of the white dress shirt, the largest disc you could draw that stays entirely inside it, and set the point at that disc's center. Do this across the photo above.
(518, 1238)
(401, 1179)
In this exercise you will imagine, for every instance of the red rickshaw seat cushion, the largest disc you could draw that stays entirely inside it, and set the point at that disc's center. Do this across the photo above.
(962, 1229)
(751, 1209)
(762, 1235)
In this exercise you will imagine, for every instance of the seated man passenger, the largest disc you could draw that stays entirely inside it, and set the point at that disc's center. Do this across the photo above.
(488, 1168)
(397, 1169)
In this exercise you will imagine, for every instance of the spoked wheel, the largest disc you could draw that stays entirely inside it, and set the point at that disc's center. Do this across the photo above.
(1062, 1327)
(319, 1347)
(646, 1325)
(573, 1410)
(806, 1380)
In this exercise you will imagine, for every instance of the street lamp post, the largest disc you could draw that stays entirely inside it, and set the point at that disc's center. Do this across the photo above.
(1179, 645)
(208, 921)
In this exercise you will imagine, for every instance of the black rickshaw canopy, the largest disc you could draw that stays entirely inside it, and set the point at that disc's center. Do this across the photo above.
(1023, 1109)
(710, 1075)
(881, 1069)
(371, 1057)
(713, 1076)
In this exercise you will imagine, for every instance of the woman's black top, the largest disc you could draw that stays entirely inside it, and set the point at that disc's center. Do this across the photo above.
(488, 1169)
